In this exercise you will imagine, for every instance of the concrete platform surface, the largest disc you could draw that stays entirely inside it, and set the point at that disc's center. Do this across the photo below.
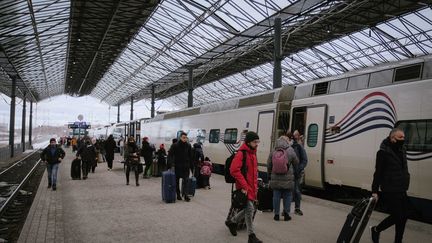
(103, 209)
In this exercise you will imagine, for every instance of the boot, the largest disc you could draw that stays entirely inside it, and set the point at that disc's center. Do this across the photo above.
(254, 239)
(232, 227)
(54, 187)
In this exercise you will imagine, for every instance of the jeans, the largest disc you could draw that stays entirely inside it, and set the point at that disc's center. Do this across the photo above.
(52, 173)
(246, 214)
(397, 204)
(285, 194)
(128, 169)
(297, 192)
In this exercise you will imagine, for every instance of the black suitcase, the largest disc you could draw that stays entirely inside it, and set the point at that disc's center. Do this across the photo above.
(76, 169)
(265, 198)
(356, 221)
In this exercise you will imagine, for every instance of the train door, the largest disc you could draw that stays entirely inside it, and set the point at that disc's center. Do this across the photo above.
(313, 119)
(265, 131)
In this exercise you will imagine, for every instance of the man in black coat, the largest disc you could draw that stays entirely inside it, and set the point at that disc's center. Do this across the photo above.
(110, 146)
(87, 152)
(181, 157)
(392, 177)
(147, 152)
(52, 155)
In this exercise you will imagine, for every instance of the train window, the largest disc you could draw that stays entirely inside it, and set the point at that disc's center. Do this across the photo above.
(408, 73)
(230, 136)
(358, 82)
(214, 136)
(321, 88)
(312, 136)
(381, 78)
(418, 135)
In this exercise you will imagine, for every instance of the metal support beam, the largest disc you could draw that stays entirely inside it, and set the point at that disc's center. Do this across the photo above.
(12, 118)
(190, 87)
(152, 101)
(277, 69)
(131, 111)
(23, 130)
(30, 123)
(118, 113)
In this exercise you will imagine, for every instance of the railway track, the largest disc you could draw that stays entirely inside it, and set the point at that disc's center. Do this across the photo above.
(18, 186)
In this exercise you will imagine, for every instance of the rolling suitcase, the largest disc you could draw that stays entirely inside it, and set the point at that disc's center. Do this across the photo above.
(76, 169)
(190, 186)
(168, 186)
(155, 169)
(265, 198)
(356, 221)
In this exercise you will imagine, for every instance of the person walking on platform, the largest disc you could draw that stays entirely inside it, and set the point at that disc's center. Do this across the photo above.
(110, 146)
(52, 155)
(280, 165)
(181, 157)
(248, 184)
(161, 155)
(392, 177)
(87, 152)
(298, 170)
(132, 159)
(147, 152)
(74, 144)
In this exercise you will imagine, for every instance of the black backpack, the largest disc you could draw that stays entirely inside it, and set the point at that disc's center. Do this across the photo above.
(228, 177)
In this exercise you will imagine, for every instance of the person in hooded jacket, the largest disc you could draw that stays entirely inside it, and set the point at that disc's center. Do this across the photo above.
(248, 185)
(87, 152)
(298, 169)
(147, 152)
(392, 177)
(52, 155)
(181, 158)
(282, 183)
(110, 147)
(132, 159)
(161, 155)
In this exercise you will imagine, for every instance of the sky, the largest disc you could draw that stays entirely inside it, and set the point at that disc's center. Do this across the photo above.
(62, 109)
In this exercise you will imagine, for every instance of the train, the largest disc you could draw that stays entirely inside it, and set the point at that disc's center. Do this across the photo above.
(343, 120)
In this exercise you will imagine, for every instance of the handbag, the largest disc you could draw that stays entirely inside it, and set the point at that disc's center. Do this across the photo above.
(238, 199)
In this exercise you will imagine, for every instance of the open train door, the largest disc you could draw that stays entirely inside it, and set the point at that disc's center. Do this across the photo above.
(314, 145)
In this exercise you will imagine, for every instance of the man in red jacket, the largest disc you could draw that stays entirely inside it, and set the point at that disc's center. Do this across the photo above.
(248, 184)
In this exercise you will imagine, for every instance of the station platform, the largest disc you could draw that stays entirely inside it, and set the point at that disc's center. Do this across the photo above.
(103, 209)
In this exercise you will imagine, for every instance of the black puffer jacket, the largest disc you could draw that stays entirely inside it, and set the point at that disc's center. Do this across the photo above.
(391, 169)
(180, 156)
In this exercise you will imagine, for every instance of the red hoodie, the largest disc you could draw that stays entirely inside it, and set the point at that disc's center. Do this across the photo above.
(250, 184)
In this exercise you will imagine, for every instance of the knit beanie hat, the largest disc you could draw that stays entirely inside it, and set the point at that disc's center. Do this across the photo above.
(52, 139)
(250, 136)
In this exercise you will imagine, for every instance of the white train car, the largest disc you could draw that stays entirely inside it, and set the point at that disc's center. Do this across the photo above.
(343, 119)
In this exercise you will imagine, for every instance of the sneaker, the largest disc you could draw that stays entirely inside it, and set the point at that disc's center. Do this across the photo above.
(286, 217)
(232, 227)
(253, 239)
(276, 217)
(298, 212)
(187, 199)
(374, 234)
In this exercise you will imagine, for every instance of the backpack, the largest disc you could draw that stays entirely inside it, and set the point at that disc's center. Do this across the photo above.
(280, 161)
(205, 170)
(228, 177)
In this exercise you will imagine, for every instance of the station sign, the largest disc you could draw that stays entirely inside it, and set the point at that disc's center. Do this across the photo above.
(79, 125)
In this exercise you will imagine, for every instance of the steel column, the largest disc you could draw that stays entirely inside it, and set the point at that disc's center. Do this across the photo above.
(277, 70)
(30, 123)
(23, 122)
(152, 101)
(118, 113)
(12, 119)
(131, 111)
(190, 87)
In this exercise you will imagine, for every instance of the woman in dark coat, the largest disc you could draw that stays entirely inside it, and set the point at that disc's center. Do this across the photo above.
(110, 146)
(132, 159)
(161, 157)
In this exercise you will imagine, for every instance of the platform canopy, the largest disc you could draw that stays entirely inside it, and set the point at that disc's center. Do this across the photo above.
(113, 50)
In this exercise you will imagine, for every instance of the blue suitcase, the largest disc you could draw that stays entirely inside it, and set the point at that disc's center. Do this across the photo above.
(168, 186)
(190, 186)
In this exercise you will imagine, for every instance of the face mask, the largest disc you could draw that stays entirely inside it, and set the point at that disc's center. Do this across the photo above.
(400, 143)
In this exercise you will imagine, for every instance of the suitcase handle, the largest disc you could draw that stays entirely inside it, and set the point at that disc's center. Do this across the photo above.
(371, 200)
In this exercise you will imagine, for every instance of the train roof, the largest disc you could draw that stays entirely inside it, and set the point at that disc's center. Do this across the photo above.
(285, 93)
